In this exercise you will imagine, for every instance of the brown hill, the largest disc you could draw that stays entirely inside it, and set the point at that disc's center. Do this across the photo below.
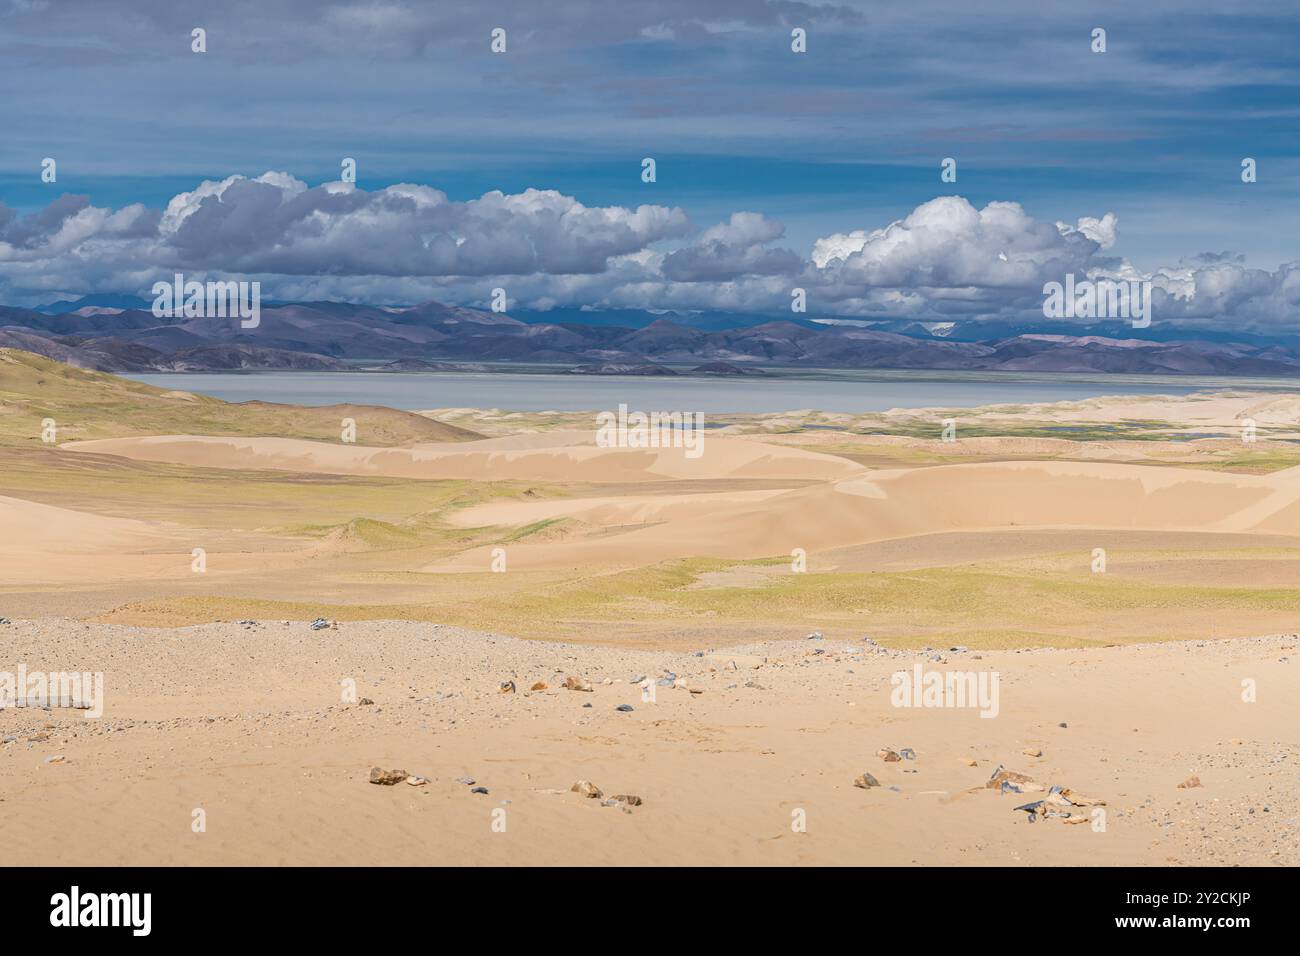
(86, 405)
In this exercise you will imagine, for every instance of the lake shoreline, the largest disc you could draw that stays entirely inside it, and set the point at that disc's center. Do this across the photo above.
(528, 389)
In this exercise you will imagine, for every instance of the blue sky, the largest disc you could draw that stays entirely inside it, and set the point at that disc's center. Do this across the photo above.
(846, 137)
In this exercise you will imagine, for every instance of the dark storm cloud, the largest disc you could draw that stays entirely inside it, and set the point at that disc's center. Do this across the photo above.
(946, 258)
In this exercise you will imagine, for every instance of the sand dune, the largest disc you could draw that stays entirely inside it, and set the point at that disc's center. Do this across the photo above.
(849, 505)
(1221, 409)
(49, 546)
(1217, 410)
(896, 504)
(33, 527)
(1076, 494)
(606, 511)
(60, 548)
(564, 456)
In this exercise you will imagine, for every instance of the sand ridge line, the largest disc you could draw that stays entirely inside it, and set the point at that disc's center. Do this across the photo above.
(900, 503)
(554, 457)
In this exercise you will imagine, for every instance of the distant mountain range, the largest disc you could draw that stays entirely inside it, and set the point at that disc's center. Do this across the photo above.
(120, 334)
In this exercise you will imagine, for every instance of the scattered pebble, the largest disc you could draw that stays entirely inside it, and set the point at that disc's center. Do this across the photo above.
(1001, 776)
(387, 778)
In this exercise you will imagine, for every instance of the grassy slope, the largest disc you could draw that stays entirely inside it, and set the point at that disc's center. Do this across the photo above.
(86, 405)
(978, 606)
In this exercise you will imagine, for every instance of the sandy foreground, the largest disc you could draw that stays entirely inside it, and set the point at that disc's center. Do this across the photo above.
(1108, 565)
(247, 723)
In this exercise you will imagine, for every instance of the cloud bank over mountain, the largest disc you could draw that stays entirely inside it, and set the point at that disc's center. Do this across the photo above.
(405, 243)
